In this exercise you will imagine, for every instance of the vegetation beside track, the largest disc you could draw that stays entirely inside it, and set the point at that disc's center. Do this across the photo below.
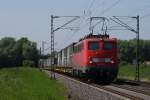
(28, 84)
(128, 71)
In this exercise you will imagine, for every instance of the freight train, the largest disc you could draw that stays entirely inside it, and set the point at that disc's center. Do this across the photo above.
(94, 56)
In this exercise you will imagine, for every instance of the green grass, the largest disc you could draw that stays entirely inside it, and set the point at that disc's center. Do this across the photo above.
(128, 71)
(28, 84)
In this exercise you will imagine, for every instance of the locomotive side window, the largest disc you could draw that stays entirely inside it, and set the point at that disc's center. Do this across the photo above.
(93, 46)
(108, 46)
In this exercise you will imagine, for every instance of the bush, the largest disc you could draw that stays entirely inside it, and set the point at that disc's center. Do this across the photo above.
(28, 63)
(123, 63)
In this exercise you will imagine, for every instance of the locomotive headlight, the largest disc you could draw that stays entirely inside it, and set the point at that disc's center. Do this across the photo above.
(107, 60)
(96, 60)
(112, 61)
(90, 60)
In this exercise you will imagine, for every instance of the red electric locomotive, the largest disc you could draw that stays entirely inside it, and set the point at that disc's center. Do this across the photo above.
(95, 56)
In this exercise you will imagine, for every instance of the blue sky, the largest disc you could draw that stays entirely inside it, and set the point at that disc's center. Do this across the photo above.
(31, 18)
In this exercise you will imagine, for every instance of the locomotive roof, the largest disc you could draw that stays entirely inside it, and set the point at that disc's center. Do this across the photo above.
(97, 37)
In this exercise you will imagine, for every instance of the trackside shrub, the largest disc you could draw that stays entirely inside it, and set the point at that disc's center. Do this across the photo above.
(28, 63)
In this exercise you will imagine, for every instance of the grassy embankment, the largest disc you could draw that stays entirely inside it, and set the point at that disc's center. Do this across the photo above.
(128, 71)
(28, 84)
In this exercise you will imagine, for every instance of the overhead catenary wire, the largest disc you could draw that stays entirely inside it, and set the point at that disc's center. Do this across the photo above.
(137, 11)
(145, 16)
(72, 35)
(92, 3)
(141, 18)
(106, 10)
(117, 2)
(110, 7)
(146, 7)
(99, 4)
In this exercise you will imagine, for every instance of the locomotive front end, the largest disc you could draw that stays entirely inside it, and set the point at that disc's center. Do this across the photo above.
(101, 59)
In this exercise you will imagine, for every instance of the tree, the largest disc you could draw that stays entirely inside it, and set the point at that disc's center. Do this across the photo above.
(127, 50)
(7, 55)
(28, 50)
(13, 52)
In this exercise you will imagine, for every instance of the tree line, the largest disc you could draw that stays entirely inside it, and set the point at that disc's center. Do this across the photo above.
(18, 52)
(127, 50)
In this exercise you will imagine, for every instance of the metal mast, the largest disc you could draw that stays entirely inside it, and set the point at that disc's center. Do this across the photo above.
(137, 51)
(52, 48)
(122, 24)
(52, 38)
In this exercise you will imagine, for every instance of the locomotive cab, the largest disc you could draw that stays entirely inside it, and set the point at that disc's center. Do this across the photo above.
(101, 52)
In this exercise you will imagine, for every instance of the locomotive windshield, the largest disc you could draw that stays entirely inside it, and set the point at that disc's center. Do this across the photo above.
(93, 46)
(108, 46)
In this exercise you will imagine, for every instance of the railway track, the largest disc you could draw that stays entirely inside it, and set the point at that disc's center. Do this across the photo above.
(136, 88)
(131, 92)
(120, 92)
(132, 82)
